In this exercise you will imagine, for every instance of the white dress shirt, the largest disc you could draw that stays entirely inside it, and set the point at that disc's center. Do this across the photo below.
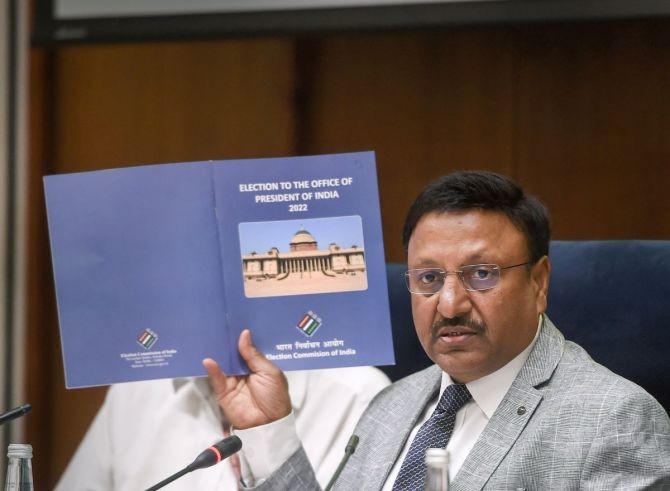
(146, 431)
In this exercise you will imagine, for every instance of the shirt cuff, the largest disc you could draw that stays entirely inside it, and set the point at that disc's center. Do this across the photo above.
(265, 448)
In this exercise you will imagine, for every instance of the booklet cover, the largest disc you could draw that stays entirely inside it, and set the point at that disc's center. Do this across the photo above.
(157, 267)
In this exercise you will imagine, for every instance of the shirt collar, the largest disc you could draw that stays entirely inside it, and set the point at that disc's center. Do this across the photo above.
(488, 391)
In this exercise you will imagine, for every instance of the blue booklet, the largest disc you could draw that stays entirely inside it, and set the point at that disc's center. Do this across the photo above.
(157, 267)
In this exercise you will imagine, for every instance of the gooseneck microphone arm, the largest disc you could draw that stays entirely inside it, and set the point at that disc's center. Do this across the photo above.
(168, 480)
(348, 452)
(208, 457)
(17, 412)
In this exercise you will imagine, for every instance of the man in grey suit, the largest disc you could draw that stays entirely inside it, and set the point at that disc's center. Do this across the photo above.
(516, 405)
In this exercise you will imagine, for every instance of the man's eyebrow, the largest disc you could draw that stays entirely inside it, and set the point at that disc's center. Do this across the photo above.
(426, 263)
(477, 258)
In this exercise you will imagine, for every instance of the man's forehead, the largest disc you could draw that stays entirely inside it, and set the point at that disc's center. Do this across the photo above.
(467, 237)
(475, 223)
(460, 258)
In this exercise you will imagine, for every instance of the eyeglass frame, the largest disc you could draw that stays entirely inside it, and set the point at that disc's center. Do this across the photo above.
(460, 273)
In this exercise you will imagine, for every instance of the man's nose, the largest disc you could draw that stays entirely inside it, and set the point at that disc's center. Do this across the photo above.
(453, 298)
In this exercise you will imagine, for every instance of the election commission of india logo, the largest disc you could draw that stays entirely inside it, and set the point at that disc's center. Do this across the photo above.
(309, 323)
(147, 339)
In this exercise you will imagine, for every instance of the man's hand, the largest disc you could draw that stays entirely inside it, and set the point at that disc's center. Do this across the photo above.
(250, 400)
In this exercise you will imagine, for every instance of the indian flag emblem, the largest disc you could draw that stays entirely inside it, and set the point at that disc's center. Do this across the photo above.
(147, 339)
(309, 323)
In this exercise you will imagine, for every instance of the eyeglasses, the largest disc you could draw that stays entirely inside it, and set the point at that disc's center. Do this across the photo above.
(475, 277)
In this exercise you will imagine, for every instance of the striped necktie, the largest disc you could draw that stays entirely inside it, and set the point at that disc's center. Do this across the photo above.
(434, 433)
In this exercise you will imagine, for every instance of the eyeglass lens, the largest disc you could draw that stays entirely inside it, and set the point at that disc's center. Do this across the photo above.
(476, 277)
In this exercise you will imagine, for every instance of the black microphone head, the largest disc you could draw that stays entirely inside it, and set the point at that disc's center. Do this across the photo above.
(228, 446)
(216, 453)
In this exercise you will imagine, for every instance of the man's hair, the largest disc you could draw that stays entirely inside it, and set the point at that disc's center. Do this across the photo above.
(483, 190)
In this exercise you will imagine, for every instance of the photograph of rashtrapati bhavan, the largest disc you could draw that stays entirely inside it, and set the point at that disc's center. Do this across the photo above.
(303, 256)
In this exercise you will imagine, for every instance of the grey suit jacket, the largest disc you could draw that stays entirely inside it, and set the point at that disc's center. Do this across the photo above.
(566, 423)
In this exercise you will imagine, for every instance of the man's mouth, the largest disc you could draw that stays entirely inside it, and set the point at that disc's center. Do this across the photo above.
(456, 330)
(451, 334)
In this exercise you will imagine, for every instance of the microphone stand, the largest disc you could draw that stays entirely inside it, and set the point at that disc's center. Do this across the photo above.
(348, 452)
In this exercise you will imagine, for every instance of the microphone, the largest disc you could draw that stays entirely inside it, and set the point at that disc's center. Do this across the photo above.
(208, 457)
(17, 412)
(348, 452)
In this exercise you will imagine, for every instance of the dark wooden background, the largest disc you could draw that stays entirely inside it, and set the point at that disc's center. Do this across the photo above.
(579, 113)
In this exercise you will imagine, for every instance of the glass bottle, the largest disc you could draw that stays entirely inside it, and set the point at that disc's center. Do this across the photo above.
(437, 469)
(19, 467)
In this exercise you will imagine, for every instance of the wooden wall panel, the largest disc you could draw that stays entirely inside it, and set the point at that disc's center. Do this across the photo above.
(133, 104)
(40, 336)
(592, 123)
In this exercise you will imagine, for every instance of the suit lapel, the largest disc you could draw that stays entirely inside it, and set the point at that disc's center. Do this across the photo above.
(505, 426)
(513, 413)
(394, 424)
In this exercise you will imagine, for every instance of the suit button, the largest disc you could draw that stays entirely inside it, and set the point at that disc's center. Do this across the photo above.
(521, 410)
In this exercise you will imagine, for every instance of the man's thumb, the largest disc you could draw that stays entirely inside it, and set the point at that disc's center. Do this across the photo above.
(254, 358)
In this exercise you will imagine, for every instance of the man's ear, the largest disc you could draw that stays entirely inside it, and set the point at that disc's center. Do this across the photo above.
(539, 276)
